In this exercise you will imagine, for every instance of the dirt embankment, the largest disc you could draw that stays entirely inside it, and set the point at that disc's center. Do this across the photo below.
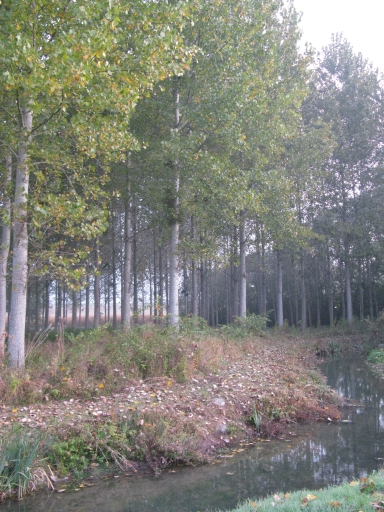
(258, 389)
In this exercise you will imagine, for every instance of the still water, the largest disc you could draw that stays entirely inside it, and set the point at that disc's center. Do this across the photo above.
(319, 455)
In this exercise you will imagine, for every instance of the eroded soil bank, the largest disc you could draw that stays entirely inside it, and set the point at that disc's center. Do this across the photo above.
(229, 392)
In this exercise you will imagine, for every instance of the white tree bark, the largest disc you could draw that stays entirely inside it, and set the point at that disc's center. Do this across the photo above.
(175, 226)
(16, 340)
(126, 313)
(4, 252)
(174, 268)
(243, 271)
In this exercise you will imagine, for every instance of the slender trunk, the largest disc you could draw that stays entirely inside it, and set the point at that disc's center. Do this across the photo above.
(370, 294)
(185, 281)
(303, 296)
(361, 293)
(46, 316)
(342, 291)
(348, 291)
(279, 290)
(127, 266)
(318, 313)
(155, 311)
(330, 289)
(4, 252)
(114, 294)
(37, 312)
(79, 309)
(74, 309)
(243, 275)
(173, 312)
(96, 285)
(16, 345)
(134, 263)
(161, 285)
(87, 303)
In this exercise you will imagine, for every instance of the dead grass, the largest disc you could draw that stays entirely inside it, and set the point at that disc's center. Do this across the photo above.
(163, 396)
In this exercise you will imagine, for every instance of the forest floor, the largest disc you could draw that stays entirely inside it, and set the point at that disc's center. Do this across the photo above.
(220, 393)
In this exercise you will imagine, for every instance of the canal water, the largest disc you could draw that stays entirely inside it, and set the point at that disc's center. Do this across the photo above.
(316, 456)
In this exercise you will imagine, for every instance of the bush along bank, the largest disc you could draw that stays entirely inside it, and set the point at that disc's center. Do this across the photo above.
(364, 495)
(158, 397)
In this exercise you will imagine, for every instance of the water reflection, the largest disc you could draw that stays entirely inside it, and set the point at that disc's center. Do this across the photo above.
(319, 455)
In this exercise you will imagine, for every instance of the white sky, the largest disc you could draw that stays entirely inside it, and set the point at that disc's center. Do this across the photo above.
(360, 21)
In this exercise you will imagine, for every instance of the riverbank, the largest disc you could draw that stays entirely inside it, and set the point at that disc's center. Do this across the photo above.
(365, 495)
(153, 398)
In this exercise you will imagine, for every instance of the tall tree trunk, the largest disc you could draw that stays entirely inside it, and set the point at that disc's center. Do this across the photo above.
(134, 264)
(348, 291)
(16, 344)
(37, 309)
(155, 311)
(330, 289)
(96, 286)
(74, 309)
(46, 315)
(370, 294)
(243, 271)
(161, 286)
(127, 266)
(303, 295)
(318, 313)
(114, 286)
(279, 290)
(4, 252)
(361, 293)
(87, 303)
(175, 226)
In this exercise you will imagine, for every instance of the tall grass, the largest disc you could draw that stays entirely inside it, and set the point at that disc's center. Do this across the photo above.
(18, 455)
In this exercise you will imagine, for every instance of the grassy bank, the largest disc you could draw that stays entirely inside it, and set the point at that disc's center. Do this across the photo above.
(154, 397)
(364, 495)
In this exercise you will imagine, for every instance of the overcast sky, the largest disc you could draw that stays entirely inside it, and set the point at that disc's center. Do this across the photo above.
(360, 21)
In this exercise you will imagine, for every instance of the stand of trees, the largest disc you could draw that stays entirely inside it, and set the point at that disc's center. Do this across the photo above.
(172, 159)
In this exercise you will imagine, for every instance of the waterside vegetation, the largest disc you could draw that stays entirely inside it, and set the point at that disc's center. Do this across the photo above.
(152, 397)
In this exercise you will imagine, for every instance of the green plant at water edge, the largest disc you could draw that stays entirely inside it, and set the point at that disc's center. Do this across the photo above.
(257, 420)
(18, 454)
(75, 454)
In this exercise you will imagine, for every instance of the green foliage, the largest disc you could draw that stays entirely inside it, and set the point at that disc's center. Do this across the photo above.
(376, 356)
(18, 455)
(75, 455)
(252, 325)
(256, 419)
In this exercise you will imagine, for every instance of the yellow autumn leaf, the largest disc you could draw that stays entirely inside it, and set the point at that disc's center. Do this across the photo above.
(353, 483)
(335, 503)
(253, 504)
(311, 497)
(287, 495)
(101, 385)
(62, 368)
(153, 394)
(14, 410)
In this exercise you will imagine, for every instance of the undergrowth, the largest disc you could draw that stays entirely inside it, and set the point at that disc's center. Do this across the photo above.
(19, 453)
